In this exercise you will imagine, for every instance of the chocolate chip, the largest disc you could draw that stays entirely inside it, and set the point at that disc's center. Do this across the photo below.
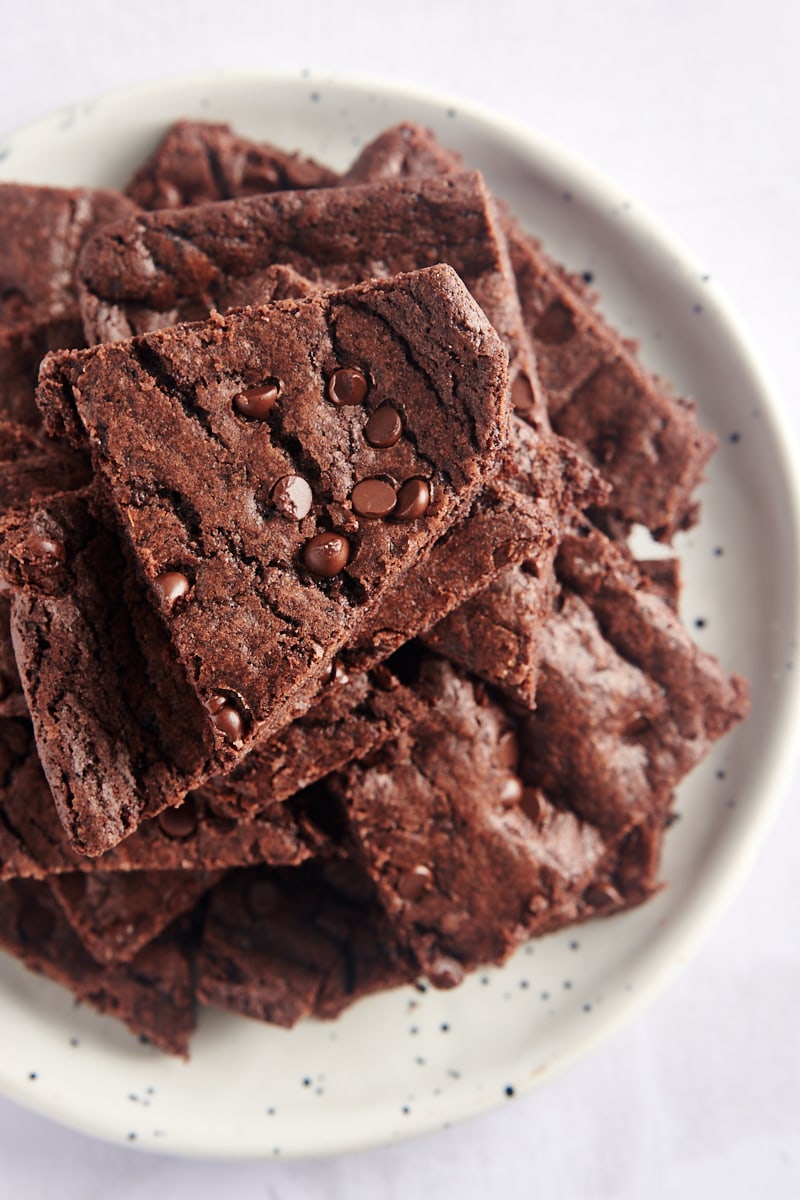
(225, 716)
(373, 498)
(164, 195)
(292, 496)
(257, 403)
(326, 554)
(35, 923)
(338, 674)
(384, 678)
(171, 585)
(508, 750)
(179, 822)
(602, 895)
(556, 325)
(45, 547)
(445, 973)
(452, 922)
(347, 386)
(531, 803)
(413, 884)
(384, 427)
(412, 500)
(522, 397)
(511, 791)
(636, 727)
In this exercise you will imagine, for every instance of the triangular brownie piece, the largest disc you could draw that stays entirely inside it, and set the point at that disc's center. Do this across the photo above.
(262, 511)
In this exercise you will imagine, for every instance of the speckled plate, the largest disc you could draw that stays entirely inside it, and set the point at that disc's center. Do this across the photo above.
(403, 1063)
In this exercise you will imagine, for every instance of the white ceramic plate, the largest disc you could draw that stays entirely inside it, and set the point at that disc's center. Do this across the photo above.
(403, 1063)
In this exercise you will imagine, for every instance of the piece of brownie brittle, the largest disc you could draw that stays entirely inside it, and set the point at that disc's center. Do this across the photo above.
(176, 265)
(553, 815)
(646, 442)
(198, 834)
(257, 504)
(153, 994)
(42, 231)
(119, 734)
(281, 945)
(116, 914)
(462, 869)
(197, 162)
(84, 635)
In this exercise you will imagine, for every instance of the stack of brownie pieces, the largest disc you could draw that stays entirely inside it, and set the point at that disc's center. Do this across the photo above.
(324, 663)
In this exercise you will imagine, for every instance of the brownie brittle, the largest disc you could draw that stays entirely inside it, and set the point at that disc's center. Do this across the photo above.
(266, 523)
(116, 914)
(153, 994)
(281, 945)
(646, 442)
(42, 231)
(196, 162)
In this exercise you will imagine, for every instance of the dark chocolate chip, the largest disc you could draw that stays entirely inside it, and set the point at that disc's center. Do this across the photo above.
(556, 325)
(179, 822)
(225, 716)
(412, 500)
(326, 554)
(444, 973)
(531, 804)
(511, 791)
(636, 727)
(347, 386)
(292, 496)
(508, 750)
(522, 397)
(338, 674)
(412, 885)
(602, 895)
(384, 428)
(45, 547)
(384, 678)
(35, 923)
(171, 585)
(257, 403)
(373, 498)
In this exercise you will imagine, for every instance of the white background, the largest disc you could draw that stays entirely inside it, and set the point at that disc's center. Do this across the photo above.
(694, 107)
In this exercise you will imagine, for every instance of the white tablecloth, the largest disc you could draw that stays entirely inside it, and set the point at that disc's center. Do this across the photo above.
(693, 106)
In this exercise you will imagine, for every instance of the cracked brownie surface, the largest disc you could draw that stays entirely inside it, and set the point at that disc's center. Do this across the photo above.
(237, 457)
